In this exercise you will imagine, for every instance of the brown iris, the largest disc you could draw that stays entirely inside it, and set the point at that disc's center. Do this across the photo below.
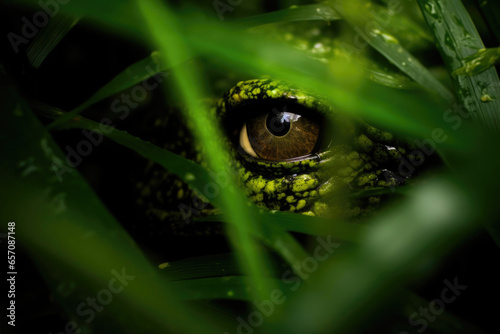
(279, 135)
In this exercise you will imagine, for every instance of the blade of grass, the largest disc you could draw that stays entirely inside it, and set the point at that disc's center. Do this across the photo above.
(457, 38)
(298, 13)
(306, 224)
(393, 80)
(358, 282)
(164, 32)
(280, 61)
(117, 15)
(364, 22)
(129, 77)
(491, 13)
(201, 267)
(256, 56)
(48, 38)
(227, 287)
(190, 172)
(409, 32)
(64, 225)
(339, 82)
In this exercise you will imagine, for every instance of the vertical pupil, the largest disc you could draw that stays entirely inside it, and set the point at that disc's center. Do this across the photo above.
(278, 124)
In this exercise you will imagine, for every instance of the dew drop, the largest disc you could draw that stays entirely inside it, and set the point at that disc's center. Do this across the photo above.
(388, 38)
(164, 265)
(326, 13)
(486, 98)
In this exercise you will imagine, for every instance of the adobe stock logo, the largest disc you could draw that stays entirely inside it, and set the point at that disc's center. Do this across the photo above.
(95, 304)
(437, 306)
(122, 107)
(223, 6)
(39, 20)
(292, 280)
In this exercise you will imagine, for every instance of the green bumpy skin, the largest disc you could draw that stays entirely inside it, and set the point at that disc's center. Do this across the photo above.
(359, 159)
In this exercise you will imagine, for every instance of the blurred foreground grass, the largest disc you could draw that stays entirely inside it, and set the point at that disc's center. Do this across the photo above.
(78, 246)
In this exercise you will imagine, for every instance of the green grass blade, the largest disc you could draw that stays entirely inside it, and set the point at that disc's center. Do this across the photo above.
(66, 219)
(359, 281)
(190, 172)
(257, 56)
(457, 38)
(410, 32)
(285, 245)
(305, 224)
(390, 79)
(164, 32)
(272, 233)
(227, 287)
(340, 82)
(491, 12)
(298, 13)
(358, 15)
(129, 77)
(201, 267)
(48, 38)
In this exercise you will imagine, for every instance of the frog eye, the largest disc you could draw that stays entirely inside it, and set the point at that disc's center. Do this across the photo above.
(279, 135)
